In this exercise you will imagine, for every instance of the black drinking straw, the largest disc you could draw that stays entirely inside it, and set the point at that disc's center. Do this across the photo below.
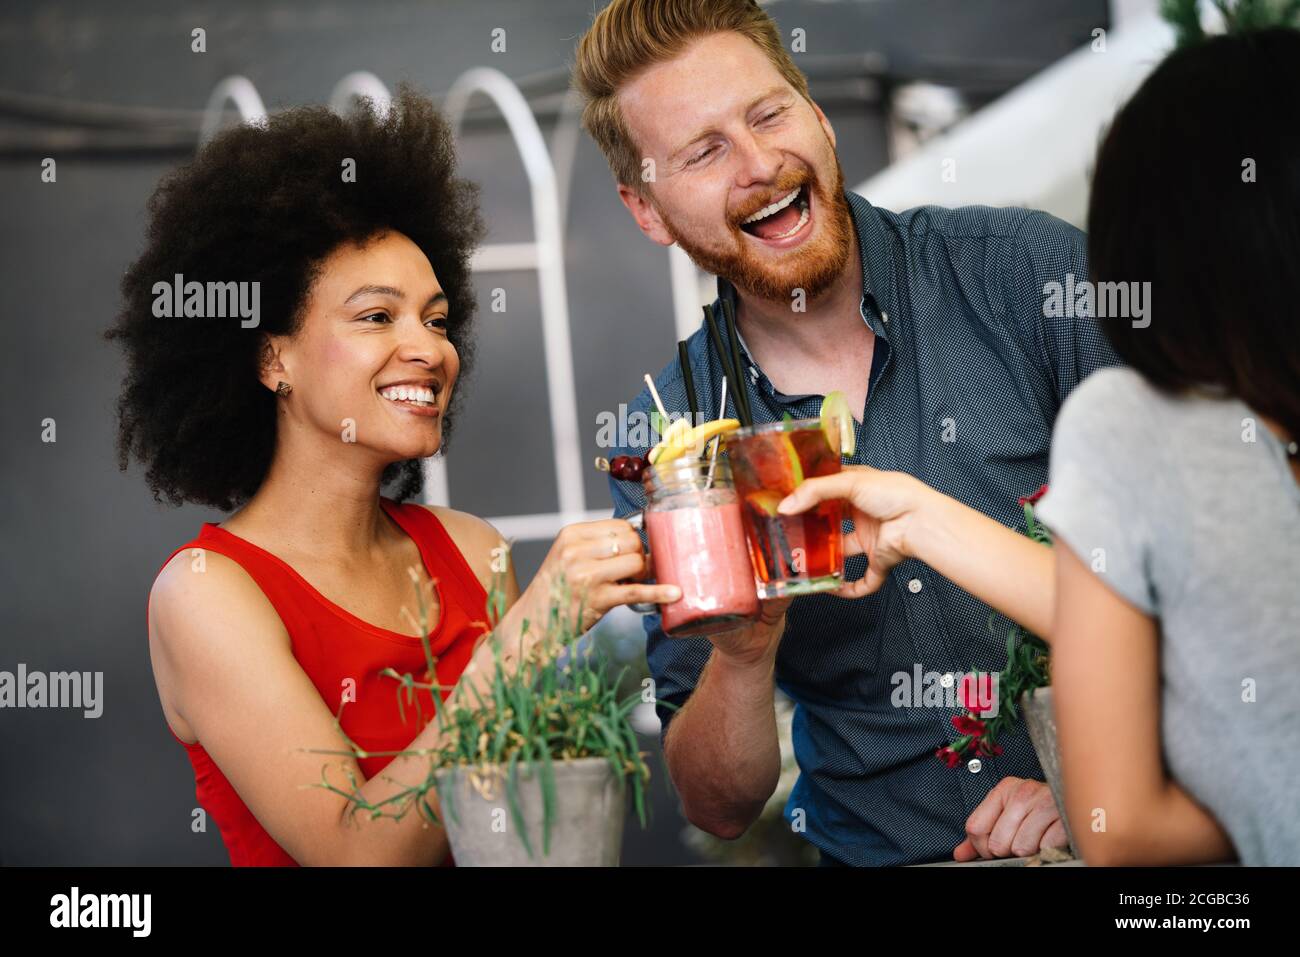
(737, 396)
(735, 359)
(688, 377)
(783, 543)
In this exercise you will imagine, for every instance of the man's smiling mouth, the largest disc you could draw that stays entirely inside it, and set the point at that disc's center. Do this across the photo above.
(780, 219)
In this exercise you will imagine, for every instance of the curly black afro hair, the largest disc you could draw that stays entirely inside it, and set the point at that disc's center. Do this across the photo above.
(268, 203)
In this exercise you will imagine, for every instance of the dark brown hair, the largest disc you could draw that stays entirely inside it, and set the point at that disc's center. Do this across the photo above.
(1174, 204)
(269, 204)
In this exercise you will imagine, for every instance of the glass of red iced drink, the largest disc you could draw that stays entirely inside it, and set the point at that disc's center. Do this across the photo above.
(793, 554)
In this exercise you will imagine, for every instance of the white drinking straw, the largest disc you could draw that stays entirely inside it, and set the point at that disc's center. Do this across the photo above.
(713, 456)
(654, 394)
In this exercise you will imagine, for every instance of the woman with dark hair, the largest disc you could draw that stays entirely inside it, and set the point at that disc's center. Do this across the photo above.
(1172, 597)
(295, 330)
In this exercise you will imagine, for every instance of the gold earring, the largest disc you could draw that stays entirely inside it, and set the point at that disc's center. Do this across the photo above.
(283, 389)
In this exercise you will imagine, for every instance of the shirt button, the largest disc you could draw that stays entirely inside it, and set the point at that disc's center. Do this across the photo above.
(884, 315)
(974, 765)
(946, 680)
(914, 586)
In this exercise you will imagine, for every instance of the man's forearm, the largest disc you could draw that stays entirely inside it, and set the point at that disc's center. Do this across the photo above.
(722, 748)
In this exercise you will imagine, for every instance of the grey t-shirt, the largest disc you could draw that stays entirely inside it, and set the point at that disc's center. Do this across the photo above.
(1192, 507)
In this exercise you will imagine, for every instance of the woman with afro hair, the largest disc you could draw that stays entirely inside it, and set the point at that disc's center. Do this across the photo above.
(345, 243)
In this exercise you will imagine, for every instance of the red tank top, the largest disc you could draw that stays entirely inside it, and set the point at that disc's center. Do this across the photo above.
(331, 644)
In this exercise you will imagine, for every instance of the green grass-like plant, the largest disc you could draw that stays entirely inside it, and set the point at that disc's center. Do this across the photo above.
(552, 700)
(1238, 16)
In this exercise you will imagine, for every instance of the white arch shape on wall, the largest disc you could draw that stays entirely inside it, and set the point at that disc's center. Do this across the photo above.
(361, 84)
(545, 254)
(240, 91)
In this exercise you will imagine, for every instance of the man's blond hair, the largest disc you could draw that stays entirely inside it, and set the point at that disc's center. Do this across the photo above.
(628, 36)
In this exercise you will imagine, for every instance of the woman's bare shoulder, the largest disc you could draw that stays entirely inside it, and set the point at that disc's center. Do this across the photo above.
(471, 525)
(199, 591)
(198, 573)
(205, 609)
(475, 537)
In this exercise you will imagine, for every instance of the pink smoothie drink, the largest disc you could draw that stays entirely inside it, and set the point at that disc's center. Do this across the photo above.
(701, 549)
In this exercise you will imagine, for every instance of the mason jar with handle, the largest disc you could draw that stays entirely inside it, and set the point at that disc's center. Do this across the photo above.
(696, 541)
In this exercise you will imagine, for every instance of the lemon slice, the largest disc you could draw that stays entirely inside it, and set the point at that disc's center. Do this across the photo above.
(710, 430)
(765, 501)
(836, 417)
(670, 438)
(792, 459)
(676, 441)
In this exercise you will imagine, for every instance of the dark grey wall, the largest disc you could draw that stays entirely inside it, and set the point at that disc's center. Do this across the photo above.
(82, 541)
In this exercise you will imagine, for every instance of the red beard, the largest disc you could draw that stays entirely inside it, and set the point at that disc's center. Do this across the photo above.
(813, 267)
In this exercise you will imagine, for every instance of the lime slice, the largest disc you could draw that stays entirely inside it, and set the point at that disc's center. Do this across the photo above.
(792, 455)
(836, 417)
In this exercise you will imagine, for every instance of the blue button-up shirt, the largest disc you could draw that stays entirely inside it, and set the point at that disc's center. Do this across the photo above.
(966, 380)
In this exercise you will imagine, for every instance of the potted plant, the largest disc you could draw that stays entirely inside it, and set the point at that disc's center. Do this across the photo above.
(535, 769)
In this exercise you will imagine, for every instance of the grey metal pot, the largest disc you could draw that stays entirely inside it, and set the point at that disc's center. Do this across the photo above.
(1040, 719)
(586, 830)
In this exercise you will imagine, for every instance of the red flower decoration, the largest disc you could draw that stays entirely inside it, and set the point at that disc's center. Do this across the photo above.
(948, 756)
(975, 693)
(984, 721)
(968, 725)
(1033, 499)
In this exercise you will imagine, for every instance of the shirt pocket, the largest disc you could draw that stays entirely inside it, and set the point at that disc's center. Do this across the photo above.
(832, 645)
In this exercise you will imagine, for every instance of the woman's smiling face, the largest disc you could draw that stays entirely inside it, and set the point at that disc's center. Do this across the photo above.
(371, 362)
